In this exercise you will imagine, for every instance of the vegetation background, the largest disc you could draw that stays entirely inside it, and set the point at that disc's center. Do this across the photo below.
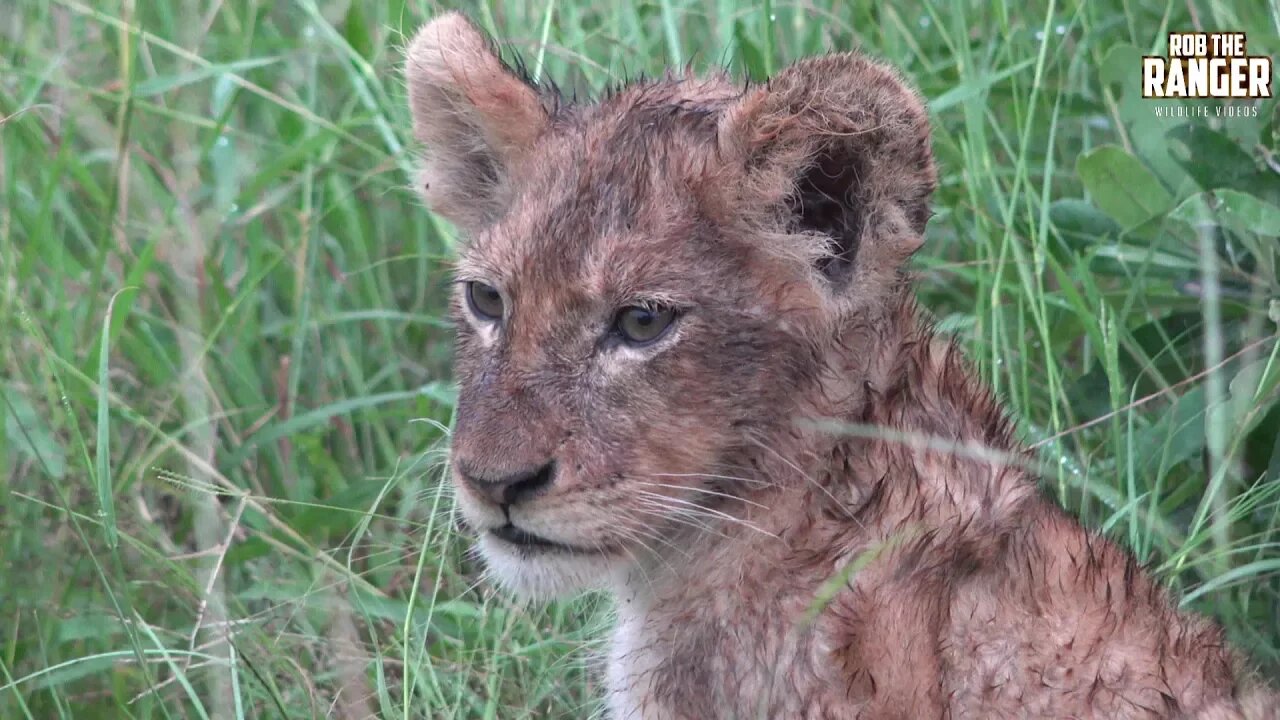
(224, 362)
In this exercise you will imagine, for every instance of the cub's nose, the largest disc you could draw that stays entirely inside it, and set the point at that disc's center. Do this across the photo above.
(508, 489)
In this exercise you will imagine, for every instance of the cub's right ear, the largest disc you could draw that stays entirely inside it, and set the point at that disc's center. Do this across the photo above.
(474, 116)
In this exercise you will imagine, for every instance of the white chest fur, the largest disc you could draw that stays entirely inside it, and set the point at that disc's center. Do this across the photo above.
(633, 660)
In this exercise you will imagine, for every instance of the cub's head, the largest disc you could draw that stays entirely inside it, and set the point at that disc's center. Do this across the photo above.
(649, 286)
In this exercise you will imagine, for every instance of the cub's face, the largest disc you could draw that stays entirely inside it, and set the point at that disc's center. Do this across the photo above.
(613, 355)
(646, 287)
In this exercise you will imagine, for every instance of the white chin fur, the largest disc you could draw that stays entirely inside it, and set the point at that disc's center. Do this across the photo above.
(545, 575)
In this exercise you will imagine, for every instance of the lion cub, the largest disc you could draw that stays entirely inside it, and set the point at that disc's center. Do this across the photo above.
(692, 372)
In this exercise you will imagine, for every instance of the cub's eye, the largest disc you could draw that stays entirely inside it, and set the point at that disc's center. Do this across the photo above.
(485, 300)
(640, 325)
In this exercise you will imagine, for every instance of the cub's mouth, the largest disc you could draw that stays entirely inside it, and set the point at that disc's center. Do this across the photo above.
(526, 540)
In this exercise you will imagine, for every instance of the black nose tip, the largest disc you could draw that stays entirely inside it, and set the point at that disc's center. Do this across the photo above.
(509, 489)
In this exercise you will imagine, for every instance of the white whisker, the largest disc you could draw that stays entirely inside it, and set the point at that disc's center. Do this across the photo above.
(713, 476)
(705, 491)
(707, 511)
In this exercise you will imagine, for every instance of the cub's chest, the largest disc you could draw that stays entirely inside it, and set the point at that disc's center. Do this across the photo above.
(761, 645)
(715, 659)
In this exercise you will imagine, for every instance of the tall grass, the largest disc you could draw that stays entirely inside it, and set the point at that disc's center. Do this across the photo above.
(224, 363)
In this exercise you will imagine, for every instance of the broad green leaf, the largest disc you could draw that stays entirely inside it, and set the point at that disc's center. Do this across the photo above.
(1122, 186)
(1177, 437)
(1230, 209)
(1270, 134)
(1080, 222)
(1253, 382)
(1216, 161)
(1146, 129)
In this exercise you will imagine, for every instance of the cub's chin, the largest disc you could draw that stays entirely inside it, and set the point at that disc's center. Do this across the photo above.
(546, 573)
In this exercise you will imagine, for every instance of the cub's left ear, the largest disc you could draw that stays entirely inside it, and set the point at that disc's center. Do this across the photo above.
(837, 149)
(475, 117)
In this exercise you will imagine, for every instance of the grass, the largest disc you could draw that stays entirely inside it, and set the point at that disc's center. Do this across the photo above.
(224, 365)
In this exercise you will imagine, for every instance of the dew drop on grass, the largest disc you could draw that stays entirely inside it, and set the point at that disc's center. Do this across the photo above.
(925, 21)
(1060, 29)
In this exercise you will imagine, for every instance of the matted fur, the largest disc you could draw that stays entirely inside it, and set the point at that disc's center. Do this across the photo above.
(806, 504)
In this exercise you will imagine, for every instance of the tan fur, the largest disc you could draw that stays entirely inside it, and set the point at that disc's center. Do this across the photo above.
(805, 503)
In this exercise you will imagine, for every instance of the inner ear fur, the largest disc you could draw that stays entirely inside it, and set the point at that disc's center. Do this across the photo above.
(474, 116)
(838, 148)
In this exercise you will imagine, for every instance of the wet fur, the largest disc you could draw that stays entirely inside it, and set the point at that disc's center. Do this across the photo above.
(703, 478)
